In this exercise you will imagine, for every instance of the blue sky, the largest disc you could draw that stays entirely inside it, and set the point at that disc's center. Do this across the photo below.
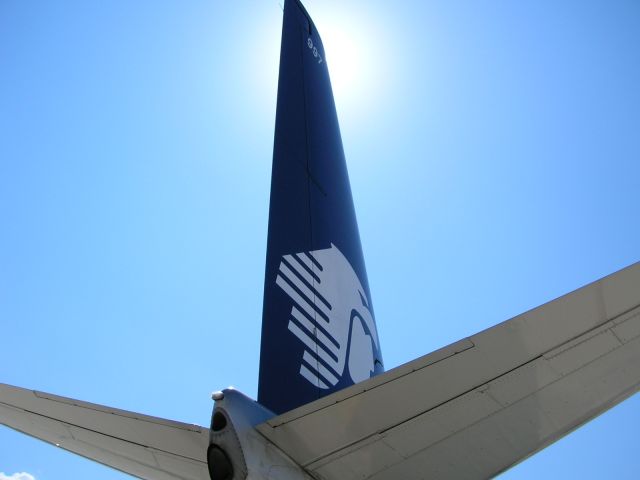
(493, 150)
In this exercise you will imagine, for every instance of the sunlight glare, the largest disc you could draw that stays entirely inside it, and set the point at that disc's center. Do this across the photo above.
(351, 67)
(344, 60)
(355, 46)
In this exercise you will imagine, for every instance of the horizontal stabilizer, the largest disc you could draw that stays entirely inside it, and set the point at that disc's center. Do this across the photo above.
(477, 407)
(140, 445)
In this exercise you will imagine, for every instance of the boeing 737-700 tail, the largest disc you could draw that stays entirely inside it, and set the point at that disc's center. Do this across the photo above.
(318, 328)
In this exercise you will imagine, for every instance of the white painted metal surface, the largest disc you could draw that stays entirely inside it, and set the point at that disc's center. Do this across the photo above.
(477, 407)
(253, 457)
(144, 446)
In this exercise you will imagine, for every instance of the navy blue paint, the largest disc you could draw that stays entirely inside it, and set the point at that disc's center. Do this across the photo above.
(311, 205)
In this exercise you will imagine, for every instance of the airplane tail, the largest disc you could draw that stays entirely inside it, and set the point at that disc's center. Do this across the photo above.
(318, 329)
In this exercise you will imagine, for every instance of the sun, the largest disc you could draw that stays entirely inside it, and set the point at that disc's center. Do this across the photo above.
(350, 57)
(345, 61)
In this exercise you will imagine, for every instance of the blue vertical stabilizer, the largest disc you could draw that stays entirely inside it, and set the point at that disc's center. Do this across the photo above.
(318, 332)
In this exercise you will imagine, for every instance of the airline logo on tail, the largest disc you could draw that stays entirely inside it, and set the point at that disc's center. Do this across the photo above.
(330, 316)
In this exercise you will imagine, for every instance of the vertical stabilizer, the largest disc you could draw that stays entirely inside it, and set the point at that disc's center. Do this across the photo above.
(318, 332)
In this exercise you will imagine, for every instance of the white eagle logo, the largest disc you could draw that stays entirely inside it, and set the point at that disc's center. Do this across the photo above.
(330, 315)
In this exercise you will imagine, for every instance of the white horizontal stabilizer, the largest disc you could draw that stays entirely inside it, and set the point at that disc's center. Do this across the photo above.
(140, 445)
